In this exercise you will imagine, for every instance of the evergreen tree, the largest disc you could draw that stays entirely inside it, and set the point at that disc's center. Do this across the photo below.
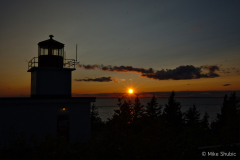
(124, 115)
(172, 112)
(192, 116)
(153, 111)
(204, 123)
(138, 110)
(227, 124)
(229, 111)
(96, 121)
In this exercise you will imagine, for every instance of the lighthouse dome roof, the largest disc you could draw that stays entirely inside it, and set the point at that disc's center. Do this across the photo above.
(51, 43)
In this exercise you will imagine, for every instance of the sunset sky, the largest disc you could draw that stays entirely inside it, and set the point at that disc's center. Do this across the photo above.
(148, 45)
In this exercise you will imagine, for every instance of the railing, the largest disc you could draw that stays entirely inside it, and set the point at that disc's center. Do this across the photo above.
(68, 63)
(33, 63)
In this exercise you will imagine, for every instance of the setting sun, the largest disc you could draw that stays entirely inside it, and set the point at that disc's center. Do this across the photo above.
(130, 91)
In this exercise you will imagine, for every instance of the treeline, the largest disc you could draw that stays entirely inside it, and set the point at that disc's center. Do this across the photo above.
(141, 132)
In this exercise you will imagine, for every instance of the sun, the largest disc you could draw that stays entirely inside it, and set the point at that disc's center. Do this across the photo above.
(130, 91)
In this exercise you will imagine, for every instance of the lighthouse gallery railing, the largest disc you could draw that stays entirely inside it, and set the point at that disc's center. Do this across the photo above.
(68, 63)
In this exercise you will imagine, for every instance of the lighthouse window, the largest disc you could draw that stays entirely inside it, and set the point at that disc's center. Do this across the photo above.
(61, 52)
(55, 52)
(42, 51)
(45, 51)
(50, 51)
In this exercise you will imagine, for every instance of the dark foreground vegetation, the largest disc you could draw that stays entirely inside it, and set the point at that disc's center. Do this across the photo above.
(145, 132)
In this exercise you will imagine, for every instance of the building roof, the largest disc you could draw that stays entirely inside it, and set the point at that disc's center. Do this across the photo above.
(50, 42)
(36, 100)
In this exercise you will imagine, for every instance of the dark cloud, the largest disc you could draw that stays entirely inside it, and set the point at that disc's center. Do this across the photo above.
(179, 73)
(211, 70)
(184, 72)
(127, 69)
(117, 69)
(226, 84)
(224, 71)
(230, 70)
(101, 79)
(89, 66)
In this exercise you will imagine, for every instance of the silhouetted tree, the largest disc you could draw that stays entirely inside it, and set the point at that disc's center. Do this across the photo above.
(204, 122)
(172, 112)
(96, 121)
(122, 116)
(229, 111)
(192, 116)
(138, 110)
(227, 125)
(153, 110)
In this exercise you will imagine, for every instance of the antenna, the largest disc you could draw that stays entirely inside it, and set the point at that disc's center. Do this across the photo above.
(65, 57)
(76, 52)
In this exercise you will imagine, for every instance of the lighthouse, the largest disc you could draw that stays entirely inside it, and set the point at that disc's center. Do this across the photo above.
(50, 77)
(50, 107)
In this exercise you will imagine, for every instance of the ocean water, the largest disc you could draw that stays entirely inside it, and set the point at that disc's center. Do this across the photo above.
(212, 106)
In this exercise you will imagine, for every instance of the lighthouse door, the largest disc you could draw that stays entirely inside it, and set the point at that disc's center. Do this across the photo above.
(63, 126)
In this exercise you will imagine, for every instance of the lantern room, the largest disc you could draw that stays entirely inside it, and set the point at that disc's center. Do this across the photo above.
(50, 53)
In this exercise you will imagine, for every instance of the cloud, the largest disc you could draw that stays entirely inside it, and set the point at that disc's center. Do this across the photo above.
(101, 79)
(184, 72)
(117, 69)
(224, 71)
(211, 70)
(226, 84)
(230, 70)
(179, 73)
(89, 66)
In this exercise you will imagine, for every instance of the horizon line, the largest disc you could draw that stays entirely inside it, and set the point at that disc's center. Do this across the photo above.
(158, 94)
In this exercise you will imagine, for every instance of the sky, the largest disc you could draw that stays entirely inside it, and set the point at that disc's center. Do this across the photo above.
(151, 46)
